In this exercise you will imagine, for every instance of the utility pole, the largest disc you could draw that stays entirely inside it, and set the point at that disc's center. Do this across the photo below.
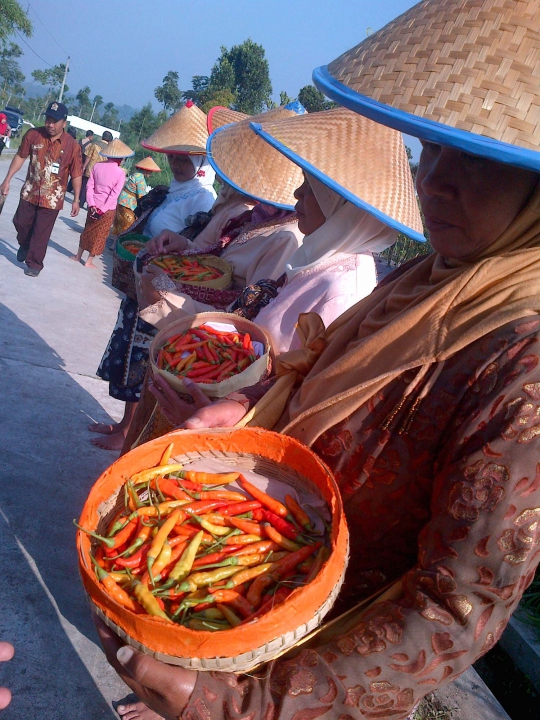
(93, 109)
(64, 80)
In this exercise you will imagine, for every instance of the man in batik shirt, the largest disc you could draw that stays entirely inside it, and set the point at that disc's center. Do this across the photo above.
(54, 157)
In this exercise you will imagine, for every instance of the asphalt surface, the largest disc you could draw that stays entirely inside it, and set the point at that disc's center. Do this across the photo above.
(53, 331)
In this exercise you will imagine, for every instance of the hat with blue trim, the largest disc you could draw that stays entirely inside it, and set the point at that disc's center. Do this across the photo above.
(361, 160)
(250, 165)
(462, 73)
(184, 133)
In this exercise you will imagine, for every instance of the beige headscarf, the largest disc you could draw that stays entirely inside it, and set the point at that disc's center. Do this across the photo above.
(228, 205)
(423, 317)
(348, 229)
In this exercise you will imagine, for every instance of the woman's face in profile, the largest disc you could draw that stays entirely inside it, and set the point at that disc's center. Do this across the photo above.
(468, 201)
(310, 215)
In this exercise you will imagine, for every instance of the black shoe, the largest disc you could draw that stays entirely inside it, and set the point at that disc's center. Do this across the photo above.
(32, 272)
(22, 252)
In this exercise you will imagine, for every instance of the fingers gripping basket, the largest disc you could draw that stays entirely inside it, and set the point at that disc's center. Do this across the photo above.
(248, 377)
(246, 646)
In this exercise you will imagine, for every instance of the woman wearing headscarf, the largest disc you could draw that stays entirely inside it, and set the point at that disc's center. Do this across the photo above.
(182, 138)
(424, 397)
(104, 186)
(334, 267)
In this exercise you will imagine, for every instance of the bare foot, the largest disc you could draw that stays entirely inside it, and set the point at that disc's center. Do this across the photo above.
(105, 428)
(90, 264)
(74, 257)
(137, 711)
(110, 442)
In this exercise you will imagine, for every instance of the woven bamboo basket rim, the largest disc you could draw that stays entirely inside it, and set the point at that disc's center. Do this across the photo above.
(213, 261)
(251, 374)
(272, 646)
(362, 160)
(253, 167)
(183, 133)
(219, 116)
(462, 72)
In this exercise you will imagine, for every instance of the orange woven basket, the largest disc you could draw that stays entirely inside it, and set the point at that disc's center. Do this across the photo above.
(246, 646)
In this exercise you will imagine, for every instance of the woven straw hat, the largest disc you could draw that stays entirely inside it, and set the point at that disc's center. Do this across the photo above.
(117, 149)
(252, 166)
(462, 73)
(149, 164)
(184, 133)
(363, 161)
(220, 116)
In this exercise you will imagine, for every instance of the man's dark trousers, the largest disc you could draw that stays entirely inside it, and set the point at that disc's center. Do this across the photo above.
(34, 226)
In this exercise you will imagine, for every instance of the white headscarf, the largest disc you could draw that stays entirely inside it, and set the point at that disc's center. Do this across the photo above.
(348, 229)
(184, 199)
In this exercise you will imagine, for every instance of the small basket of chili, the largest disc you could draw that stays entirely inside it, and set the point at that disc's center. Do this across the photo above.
(199, 270)
(170, 560)
(125, 252)
(221, 352)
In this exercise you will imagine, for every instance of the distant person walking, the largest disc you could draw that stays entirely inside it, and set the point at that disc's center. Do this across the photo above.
(92, 155)
(134, 189)
(88, 138)
(104, 187)
(5, 131)
(54, 157)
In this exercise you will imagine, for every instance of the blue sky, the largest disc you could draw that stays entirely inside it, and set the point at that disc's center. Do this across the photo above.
(123, 49)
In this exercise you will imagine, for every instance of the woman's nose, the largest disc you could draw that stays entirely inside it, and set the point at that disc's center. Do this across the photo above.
(437, 175)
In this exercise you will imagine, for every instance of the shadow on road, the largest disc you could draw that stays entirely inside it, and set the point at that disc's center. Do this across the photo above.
(46, 476)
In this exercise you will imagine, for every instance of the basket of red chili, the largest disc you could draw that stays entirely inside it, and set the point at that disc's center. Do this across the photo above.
(221, 352)
(125, 252)
(207, 570)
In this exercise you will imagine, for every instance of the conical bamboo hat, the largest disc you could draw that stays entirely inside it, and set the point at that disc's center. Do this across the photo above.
(219, 116)
(149, 164)
(117, 149)
(184, 133)
(364, 161)
(464, 73)
(250, 165)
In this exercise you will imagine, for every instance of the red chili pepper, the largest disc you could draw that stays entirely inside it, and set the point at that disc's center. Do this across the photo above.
(269, 502)
(136, 560)
(257, 548)
(298, 514)
(247, 527)
(240, 508)
(284, 527)
(212, 558)
(281, 567)
(279, 596)
(199, 507)
(169, 487)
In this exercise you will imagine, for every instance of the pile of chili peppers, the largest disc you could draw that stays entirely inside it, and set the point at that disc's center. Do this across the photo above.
(186, 269)
(132, 247)
(206, 355)
(187, 551)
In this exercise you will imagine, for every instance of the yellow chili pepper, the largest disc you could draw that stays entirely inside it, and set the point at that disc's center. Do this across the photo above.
(161, 535)
(147, 600)
(146, 475)
(166, 455)
(203, 579)
(248, 573)
(218, 530)
(183, 567)
(163, 559)
(163, 508)
(231, 617)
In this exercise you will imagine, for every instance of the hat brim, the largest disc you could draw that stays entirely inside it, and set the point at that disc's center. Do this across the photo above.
(333, 185)
(117, 157)
(176, 149)
(219, 171)
(423, 128)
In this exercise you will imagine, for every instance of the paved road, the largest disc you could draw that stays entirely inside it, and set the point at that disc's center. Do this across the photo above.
(53, 330)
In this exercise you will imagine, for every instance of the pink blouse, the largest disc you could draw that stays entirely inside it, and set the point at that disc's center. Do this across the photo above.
(104, 186)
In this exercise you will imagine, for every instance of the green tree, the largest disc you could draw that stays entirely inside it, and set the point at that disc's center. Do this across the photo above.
(11, 76)
(141, 125)
(313, 100)
(97, 103)
(169, 94)
(110, 117)
(284, 98)
(12, 18)
(252, 85)
(51, 78)
(84, 107)
(199, 86)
